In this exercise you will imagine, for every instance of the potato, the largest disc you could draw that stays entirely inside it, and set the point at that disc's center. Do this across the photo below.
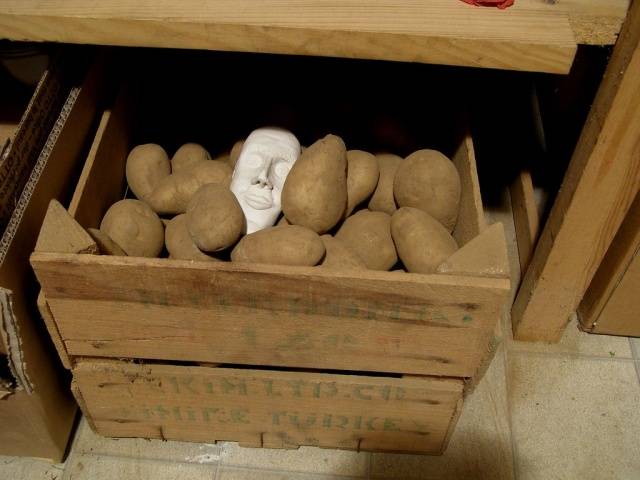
(147, 165)
(179, 243)
(429, 181)
(174, 192)
(188, 155)
(282, 221)
(215, 219)
(422, 242)
(315, 192)
(369, 235)
(235, 153)
(339, 257)
(134, 227)
(362, 178)
(105, 243)
(284, 245)
(382, 199)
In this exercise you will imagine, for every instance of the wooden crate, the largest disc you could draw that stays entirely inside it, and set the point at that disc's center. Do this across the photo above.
(263, 408)
(395, 324)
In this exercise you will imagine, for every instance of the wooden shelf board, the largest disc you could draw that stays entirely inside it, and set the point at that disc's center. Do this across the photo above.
(532, 35)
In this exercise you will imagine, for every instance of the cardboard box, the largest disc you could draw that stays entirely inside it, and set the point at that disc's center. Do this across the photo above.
(612, 302)
(39, 163)
(355, 331)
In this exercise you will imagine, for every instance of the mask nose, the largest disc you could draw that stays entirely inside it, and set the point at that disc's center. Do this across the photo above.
(262, 179)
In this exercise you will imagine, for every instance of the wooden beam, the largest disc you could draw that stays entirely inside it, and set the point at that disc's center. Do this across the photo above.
(529, 36)
(525, 217)
(599, 187)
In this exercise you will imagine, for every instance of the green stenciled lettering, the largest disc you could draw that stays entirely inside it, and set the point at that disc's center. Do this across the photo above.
(146, 412)
(467, 319)
(191, 415)
(249, 334)
(386, 392)
(239, 415)
(270, 390)
(275, 417)
(357, 423)
(341, 422)
(395, 312)
(223, 302)
(207, 412)
(349, 340)
(229, 386)
(389, 425)
(327, 421)
(208, 387)
(294, 306)
(297, 385)
(370, 423)
(162, 412)
(316, 390)
(438, 316)
(400, 393)
(296, 341)
(358, 392)
(331, 390)
(176, 414)
(330, 341)
(351, 310)
(372, 311)
(183, 383)
(332, 309)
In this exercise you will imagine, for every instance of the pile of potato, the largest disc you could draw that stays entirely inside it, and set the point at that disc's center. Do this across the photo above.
(341, 210)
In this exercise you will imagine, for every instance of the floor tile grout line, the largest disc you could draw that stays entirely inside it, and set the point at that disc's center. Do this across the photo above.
(577, 356)
(514, 447)
(369, 465)
(308, 474)
(215, 472)
(634, 352)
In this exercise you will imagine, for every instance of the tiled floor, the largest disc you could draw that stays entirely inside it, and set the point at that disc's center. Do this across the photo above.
(565, 411)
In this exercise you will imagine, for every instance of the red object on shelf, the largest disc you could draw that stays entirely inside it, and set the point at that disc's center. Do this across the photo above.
(490, 3)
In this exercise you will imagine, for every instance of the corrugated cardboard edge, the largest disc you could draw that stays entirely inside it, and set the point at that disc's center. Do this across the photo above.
(8, 322)
(11, 337)
(17, 159)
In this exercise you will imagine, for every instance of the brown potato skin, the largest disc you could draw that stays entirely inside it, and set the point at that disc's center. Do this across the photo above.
(105, 243)
(284, 245)
(422, 242)
(339, 257)
(173, 194)
(215, 219)
(147, 165)
(363, 173)
(188, 155)
(428, 180)
(134, 227)
(315, 192)
(179, 243)
(382, 199)
(232, 159)
(369, 234)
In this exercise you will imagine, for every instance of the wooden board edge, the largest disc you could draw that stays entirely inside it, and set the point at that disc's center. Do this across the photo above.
(525, 217)
(54, 333)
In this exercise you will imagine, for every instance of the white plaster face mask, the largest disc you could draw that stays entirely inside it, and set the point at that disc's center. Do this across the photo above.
(258, 178)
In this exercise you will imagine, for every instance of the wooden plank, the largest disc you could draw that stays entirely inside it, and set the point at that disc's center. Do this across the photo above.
(61, 233)
(54, 333)
(486, 255)
(525, 217)
(268, 408)
(271, 315)
(471, 221)
(524, 37)
(102, 180)
(610, 305)
(601, 182)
